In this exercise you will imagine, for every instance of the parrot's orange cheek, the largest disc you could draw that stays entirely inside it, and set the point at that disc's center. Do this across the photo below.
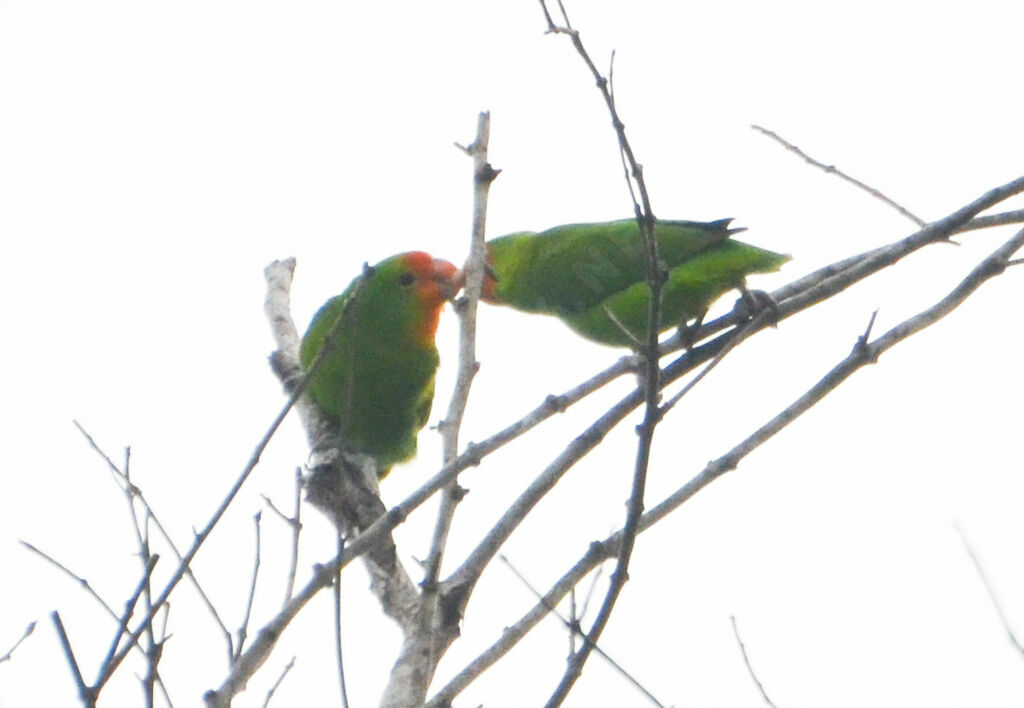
(428, 325)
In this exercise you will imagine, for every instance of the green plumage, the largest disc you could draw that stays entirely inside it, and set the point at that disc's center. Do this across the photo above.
(581, 272)
(377, 377)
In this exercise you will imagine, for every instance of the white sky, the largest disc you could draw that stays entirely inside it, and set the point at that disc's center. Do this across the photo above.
(155, 157)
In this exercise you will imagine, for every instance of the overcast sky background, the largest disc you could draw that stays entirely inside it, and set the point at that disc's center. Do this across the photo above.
(155, 157)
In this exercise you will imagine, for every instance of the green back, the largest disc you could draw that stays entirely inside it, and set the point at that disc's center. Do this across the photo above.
(569, 269)
(691, 288)
(377, 380)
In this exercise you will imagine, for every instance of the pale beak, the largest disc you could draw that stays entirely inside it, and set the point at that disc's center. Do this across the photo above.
(449, 278)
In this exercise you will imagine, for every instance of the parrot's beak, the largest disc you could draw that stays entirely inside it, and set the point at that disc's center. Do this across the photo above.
(448, 277)
(490, 278)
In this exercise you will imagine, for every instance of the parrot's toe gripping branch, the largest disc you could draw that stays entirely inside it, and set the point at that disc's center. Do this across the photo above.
(753, 302)
(688, 331)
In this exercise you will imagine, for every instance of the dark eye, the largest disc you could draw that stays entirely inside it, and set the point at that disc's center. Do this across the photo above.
(406, 279)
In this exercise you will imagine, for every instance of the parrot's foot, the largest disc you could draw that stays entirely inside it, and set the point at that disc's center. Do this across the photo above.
(688, 331)
(753, 302)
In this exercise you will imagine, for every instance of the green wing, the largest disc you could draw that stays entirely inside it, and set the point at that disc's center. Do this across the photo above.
(568, 269)
(583, 272)
(691, 288)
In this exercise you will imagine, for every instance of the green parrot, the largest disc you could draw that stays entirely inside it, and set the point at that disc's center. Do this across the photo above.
(377, 375)
(582, 272)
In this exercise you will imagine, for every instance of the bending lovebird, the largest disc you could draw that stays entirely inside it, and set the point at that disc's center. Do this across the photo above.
(593, 276)
(376, 377)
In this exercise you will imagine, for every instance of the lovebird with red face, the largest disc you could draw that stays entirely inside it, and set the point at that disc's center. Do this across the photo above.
(593, 276)
(376, 377)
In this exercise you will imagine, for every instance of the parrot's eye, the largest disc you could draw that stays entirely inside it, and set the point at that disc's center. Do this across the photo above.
(406, 279)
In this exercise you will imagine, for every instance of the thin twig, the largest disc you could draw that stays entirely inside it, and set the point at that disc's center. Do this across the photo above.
(574, 630)
(28, 630)
(337, 628)
(244, 627)
(200, 538)
(296, 530)
(590, 591)
(991, 591)
(295, 524)
(655, 277)
(832, 169)
(77, 578)
(739, 336)
(152, 648)
(87, 694)
(92, 593)
(259, 650)
(126, 616)
(746, 660)
(574, 618)
(273, 689)
(279, 281)
(135, 492)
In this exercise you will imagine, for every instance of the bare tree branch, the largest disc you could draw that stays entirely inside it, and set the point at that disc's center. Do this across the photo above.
(483, 175)
(244, 627)
(134, 492)
(126, 616)
(864, 352)
(295, 524)
(277, 684)
(259, 650)
(340, 484)
(746, 660)
(77, 578)
(86, 693)
(656, 277)
(110, 667)
(1011, 635)
(824, 284)
(574, 630)
(437, 623)
(10, 652)
(337, 628)
(832, 169)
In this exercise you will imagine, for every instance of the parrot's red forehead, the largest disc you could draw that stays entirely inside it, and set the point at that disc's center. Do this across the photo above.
(421, 263)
